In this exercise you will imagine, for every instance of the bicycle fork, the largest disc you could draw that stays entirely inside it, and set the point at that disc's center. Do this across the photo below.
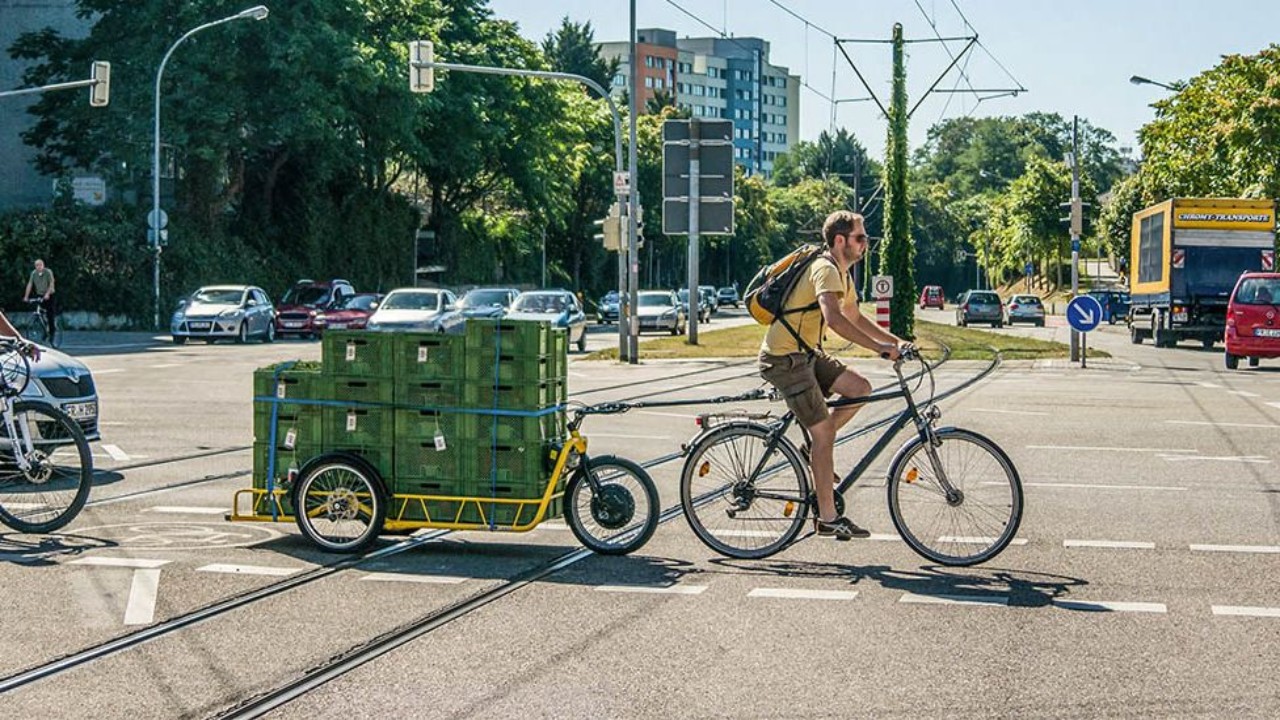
(19, 434)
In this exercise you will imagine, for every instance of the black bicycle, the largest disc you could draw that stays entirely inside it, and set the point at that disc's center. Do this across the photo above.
(954, 495)
(38, 328)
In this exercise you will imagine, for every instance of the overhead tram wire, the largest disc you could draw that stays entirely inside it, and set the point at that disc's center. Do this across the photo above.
(994, 59)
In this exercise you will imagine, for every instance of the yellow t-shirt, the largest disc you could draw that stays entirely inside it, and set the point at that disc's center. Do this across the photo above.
(823, 276)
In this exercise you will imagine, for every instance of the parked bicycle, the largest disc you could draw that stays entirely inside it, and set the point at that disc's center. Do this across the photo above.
(38, 328)
(46, 468)
(954, 495)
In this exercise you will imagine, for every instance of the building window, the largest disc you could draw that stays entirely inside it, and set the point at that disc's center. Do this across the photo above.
(659, 83)
(648, 82)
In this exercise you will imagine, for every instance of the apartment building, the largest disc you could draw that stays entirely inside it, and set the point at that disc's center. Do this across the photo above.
(723, 78)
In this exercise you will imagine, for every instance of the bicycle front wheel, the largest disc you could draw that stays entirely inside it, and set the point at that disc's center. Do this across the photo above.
(733, 512)
(53, 487)
(981, 515)
(619, 512)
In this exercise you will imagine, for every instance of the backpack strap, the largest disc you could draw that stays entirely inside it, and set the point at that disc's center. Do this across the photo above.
(822, 321)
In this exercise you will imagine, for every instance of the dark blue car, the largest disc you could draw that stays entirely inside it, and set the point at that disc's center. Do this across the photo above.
(1115, 304)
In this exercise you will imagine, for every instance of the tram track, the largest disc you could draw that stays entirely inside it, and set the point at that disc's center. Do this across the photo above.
(369, 650)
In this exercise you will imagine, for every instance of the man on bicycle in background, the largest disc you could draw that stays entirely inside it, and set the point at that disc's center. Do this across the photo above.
(792, 359)
(41, 281)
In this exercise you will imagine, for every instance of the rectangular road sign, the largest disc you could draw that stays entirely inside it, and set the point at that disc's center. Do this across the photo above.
(715, 171)
(715, 216)
(882, 287)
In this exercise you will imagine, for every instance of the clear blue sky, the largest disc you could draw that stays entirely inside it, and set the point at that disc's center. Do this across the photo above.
(1074, 58)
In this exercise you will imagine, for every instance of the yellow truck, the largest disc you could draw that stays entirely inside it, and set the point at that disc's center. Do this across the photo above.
(1186, 256)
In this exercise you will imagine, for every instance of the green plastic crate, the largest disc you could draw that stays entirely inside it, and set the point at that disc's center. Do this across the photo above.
(359, 354)
(415, 425)
(304, 420)
(380, 457)
(506, 368)
(522, 467)
(358, 426)
(508, 429)
(510, 396)
(427, 356)
(511, 337)
(294, 457)
(439, 393)
(419, 461)
(557, 353)
(290, 384)
(362, 390)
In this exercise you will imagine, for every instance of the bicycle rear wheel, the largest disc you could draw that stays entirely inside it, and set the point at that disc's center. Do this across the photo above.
(54, 487)
(972, 526)
(733, 513)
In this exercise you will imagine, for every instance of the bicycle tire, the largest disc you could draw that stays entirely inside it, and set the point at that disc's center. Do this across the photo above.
(339, 503)
(984, 520)
(607, 523)
(37, 331)
(49, 494)
(725, 511)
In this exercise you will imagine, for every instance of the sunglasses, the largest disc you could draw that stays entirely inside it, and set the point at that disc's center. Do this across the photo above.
(861, 238)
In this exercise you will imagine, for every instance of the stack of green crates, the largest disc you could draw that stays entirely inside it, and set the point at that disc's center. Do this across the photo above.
(413, 405)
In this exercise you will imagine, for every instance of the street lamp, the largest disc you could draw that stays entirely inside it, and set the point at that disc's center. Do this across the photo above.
(155, 221)
(1139, 80)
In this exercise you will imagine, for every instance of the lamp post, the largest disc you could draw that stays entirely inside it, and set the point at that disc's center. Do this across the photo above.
(258, 12)
(1139, 80)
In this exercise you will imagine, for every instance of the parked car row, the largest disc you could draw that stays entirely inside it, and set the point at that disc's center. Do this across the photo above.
(710, 300)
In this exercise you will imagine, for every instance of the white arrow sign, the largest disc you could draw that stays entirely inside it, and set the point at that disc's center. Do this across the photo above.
(1085, 315)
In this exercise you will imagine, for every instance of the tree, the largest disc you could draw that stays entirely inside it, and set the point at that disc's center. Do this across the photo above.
(899, 252)
(572, 49)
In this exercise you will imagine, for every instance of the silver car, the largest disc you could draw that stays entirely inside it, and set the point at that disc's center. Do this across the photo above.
(979, 306)
(1025, 308)
(413, 309)
(232, 312)
(661, 310)
(65, 383)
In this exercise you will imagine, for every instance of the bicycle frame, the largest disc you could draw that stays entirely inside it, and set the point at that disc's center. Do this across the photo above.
(19, 432)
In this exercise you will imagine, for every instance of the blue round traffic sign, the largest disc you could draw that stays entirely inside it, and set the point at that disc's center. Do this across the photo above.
(1084, 312)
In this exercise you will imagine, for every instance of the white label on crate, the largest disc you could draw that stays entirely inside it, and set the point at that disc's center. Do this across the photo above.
(351, 421)
(351, 352)
(422, 353)
(280, 389)
(440, 446)
(290, 438)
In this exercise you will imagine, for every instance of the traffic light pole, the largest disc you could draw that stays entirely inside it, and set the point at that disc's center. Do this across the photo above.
(1076, 228)
(632, 344)
(694, 193)
(629, 199)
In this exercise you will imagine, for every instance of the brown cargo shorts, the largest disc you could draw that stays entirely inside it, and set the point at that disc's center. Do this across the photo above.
(805, 381)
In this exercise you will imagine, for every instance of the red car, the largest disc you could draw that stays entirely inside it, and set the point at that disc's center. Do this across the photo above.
(351, 313)
(1253, 319)
(296, 313)
(931, 296)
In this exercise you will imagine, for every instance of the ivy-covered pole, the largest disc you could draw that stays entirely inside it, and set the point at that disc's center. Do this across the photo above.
(899, 253)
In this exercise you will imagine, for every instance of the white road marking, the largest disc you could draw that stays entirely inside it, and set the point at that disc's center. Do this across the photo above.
(650, 589)
(141, 563)
(954, 599)
(141, 608)
(975, 540)
(1223, 424)
(411, 578)
(249, 570)
(1007, 412)
(1264, 549)
(115, 452)
(1245, 611)
(747, 533)
(1117, 544)
(1110, 606)
(166, 365)
(1209, 385)
(108, 371)
(1251, 459)
(187, 510)
(24, 506)
(554, 525)
(884, 537)
(1243, 393)
(796, 594)
(686, 416)
(630, 436)
(1109, 449)
(1089, 486)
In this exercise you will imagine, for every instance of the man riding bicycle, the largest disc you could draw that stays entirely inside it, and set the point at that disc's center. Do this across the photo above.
(41, 281)
(793, 361)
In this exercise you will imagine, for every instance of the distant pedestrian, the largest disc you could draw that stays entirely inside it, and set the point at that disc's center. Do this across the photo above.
(44, 287)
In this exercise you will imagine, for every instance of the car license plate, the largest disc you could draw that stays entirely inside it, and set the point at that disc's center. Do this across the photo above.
(81, 411)
(200, 325)
(338, 326)
(1266, 332)
(293, 324)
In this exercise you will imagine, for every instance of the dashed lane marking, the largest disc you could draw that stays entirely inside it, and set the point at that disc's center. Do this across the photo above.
(954, 599)
(1266, 549)
(686, 416)
(141, 608)
(1251, 459)
(1007, 412)
(1244, 611)
(187, 510)
(653, 590)
(1243, 393)
(553, 525)
(108, 371)
(976, 540)
(1224, 424)
(411, 578)
(1111, 606)
(1115, 544)
(797, 594)
(165, 365)
(141, 563)
(631, 436)
(1108, 449)
(1090, 486)
(115, 452)
(249, 570)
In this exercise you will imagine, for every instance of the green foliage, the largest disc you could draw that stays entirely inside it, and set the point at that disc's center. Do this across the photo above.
(572, 49)
(897, 260)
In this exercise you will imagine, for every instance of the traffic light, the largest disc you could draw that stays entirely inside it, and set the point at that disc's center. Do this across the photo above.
(610, 232)
(422, 79)
(100, 90)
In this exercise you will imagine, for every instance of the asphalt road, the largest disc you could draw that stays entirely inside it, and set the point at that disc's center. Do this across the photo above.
(1141, 584)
